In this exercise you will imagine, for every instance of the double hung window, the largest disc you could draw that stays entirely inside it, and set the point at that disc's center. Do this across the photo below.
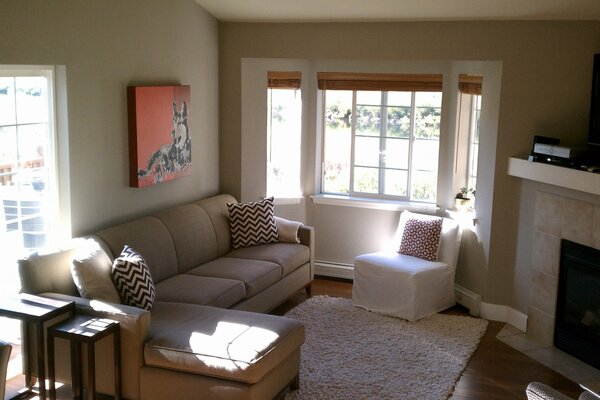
(468, 127)
(284, 127)
(381, 135)
(28, 190)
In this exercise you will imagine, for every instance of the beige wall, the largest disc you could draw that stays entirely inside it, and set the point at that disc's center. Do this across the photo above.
(546, 77)
(106, 46)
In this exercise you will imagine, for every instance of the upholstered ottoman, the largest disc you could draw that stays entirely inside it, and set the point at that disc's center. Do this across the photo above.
(225, 354)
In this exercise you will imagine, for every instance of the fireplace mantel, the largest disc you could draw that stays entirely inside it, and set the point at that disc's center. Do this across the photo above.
(569, 178)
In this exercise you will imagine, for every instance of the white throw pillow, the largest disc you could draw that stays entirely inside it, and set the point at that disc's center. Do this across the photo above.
(287, 230)
(91, 271)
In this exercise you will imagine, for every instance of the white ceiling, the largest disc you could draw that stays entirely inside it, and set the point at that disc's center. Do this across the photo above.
(400, 10)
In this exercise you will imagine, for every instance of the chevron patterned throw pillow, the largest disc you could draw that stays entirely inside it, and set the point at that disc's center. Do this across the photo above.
(252, 223)
(132, 279)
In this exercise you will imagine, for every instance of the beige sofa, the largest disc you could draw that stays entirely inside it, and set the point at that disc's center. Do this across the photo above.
(205, 336)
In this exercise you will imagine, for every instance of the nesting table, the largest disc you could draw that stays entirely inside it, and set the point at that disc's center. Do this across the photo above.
(89, 330)
(33, 312)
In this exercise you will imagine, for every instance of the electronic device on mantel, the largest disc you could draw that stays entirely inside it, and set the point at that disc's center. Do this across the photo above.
(547, 150)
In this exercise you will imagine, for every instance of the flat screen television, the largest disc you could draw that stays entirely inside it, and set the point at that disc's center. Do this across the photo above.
(594, 133)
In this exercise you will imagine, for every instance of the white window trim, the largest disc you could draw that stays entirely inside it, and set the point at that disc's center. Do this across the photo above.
(58, 143)
(377, 204)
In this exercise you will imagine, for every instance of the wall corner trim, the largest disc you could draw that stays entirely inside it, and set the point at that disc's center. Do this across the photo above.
(506, 314)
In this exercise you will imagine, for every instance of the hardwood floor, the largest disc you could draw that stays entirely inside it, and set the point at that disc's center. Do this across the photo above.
(495, 372)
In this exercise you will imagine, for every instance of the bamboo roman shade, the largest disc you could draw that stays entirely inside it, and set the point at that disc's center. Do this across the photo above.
(284, 79)
(470, 84)
(385, 82)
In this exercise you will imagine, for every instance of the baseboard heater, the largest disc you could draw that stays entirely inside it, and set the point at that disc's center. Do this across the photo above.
(335, 270)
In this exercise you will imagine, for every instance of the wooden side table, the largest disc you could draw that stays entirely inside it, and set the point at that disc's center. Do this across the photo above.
(33, 311)
(89, 330)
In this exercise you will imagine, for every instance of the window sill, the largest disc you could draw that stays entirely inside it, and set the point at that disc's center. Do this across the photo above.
(281, 201)
(377, 204)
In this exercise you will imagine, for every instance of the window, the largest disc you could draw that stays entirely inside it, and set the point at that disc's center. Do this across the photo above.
(381, 135)
(468, 130)
(474, 140)
(28, 194)
(284, 127)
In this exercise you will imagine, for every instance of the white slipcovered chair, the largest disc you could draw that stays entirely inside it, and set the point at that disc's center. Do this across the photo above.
(404, 286)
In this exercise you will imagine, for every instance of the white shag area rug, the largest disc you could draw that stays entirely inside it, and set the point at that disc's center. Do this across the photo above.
(351, 353)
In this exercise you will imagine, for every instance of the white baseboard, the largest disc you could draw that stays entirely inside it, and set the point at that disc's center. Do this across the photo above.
(464, 297)
(506, 314)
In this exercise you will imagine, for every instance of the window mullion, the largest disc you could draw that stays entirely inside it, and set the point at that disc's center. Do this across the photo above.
(411, 141)
(352, 142)
(382, 142)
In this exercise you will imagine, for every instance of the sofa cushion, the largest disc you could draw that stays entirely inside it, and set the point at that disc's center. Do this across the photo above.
(288, 255)
(193, 235)
(252, 223)
(229, 344)
(203, 290)
(133, 280)
(151, 238)
(216, 208)
(256, 275)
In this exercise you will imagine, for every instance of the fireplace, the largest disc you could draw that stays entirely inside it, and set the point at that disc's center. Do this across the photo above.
(577, 326)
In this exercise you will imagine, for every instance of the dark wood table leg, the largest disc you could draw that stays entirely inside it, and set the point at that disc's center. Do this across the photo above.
(76, 385)
(41, 359)
(91, 378)
(51, 371)
(25, 330)
(117, 347)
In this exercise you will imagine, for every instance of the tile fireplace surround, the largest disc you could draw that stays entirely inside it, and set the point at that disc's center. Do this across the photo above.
(556, 217)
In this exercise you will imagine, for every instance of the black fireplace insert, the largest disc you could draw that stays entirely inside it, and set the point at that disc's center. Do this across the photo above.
(577, 329)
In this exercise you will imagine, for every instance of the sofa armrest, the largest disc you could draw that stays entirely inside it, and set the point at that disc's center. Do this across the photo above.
(306, 234)
(135, 327)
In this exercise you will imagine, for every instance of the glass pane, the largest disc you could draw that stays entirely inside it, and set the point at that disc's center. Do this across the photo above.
(7, 101)
(283, 165)
(31, 99)
(368, 97)
(424, 186)
(395, 182)
(32, 142)
(427, 114)
(427, 122)
(366, 180)
(428, 99)
(396, 153)
(337, 142)
(398, 122)
(425, 155)
(366, 151)
(8, 156)
(368, 120)
(399, 99)
(338, 109)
